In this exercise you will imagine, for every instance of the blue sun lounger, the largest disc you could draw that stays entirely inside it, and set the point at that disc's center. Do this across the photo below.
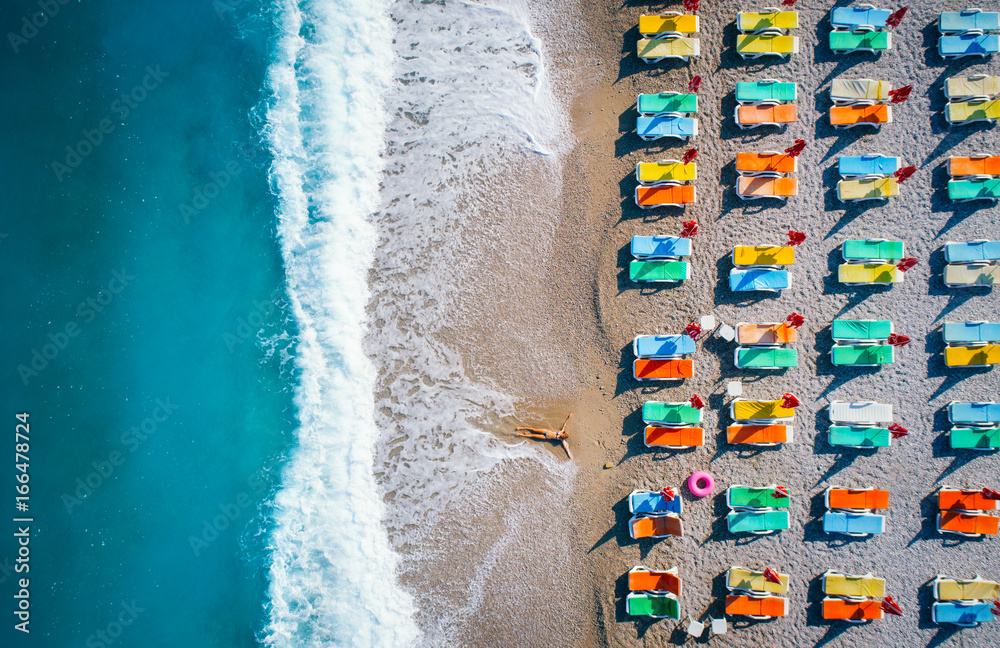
(853, 524)
(852, 18)
(974, 413)
(971, 332)
(662, 346)
(651, 128)
(768, 279)
(962, 613)
(961, 45)
(660, 247)
(957, 22)
(867, 165)
(644, 501)
(972, 251)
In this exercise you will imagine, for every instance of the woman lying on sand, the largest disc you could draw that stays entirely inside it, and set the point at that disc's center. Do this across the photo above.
(550, 435)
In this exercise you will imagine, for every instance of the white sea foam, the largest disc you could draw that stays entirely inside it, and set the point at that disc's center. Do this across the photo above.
(332, 579)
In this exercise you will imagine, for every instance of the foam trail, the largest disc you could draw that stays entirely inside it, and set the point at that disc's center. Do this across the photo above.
(333, 570)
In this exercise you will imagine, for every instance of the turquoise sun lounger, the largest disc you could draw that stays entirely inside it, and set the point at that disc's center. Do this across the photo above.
(974, 413)
(842, 330)
(873, 250)
(670, 413)
(657, 605)
(867, 165)
(956, 22)
(767, 279)
(861, 355)
(961, 45)
(852, 18)
(757, 522)
(971, 332)
(644, 501)
(662, 346)
(853, 524)
(863, 41)
(660, 247)
(971, 251)
(752, 497)
(649, 105)
(765, 358)
(659, 271)
(768, 90)
(974, 438)
(651, 128)
(977, 189)
(860, 437)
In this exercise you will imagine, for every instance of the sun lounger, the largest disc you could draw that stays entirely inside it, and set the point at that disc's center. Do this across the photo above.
(956, 22)
(961, 45)
(849, 92)
(978, 274)
(763, 255)
(860, 166)
(982, 86)
(967, 112)
(753, 497)
(764, 279)
(675, 369)
(743, 579)
(849, 330)
(660, 247)
(756, 607)
(852, 611)
(856, 499)
(766, 20)
(859, 17)
(972, 251)
(770, 163)
(973, 356)
(674, 438)
(645, 501)
(861, 355)
(743, 409)
(853, 524)
(664, 103)
(855, 586)
(970, 332)
(859, 412)
(655, 50)
(970, 525)
(770, 334)
(757, 522)
(861, 274)
(867, 189)
(759, 435)
(860, 437)
(660, 126)
(873, 250)
(974, 439)
(869, 41)
(642, 578)
(765, 115)
(946, 588)
(670, 413)
(765, 358)
(669, 22)
(956, 499)
(655, 526)
(987, 414)
(766, 91)
(976, 165)
(659, 271)
(851, 116)
(977, 189)
(965, 614)
(656, 605)
(755, 188)
(652, 174)
(665, 196)
(751, 46)
(662, 346)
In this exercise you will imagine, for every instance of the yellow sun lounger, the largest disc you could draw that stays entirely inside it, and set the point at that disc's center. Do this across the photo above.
(947, 588)
(983, 355)
(853, 586)
(751, 46)
(867, 189)
(769, 255)
(742, 409)
(741, 578)
(848, 92)
(754, 188)
(860, 274)
(959, 275)
(979, 86)
(766, 20)
(967, 112)
(765, 115)
(656, 49)
(652, 174)
(668, 22)
(851, 116)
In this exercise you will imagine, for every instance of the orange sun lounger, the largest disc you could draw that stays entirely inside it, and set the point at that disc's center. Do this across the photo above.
(672, 369)
(641, 578)
(754, 187)
(848, 116)
(760, 607)
(674, 437)
(862, 499)
(856, 611)
(759, 434)
(664, 196)
(967, 500)
(753, 116)
(782, 333)
(655, 526)
(766, 162)
(970, 166)
(967, 524)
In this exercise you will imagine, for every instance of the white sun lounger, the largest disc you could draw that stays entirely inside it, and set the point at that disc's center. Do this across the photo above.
(860, 412)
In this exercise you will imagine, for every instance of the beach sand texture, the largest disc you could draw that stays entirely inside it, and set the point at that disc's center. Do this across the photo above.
(592, 246)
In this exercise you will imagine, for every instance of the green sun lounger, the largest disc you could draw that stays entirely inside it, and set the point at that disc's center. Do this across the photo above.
(766, 358)
(979, 189)
(757, 522)
(860, 329)
(873, 249)
(862, 355)
(845, 41)
(670, 413)
(666, 271)
(766, 90)
(975, 439)
(666, 102)
(752, 497)
(654, 605)
(860, 437)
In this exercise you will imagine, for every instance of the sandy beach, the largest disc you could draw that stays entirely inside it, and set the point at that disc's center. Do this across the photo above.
(591, 257)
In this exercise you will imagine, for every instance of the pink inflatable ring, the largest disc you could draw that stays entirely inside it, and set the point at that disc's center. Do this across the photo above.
(701, 484)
